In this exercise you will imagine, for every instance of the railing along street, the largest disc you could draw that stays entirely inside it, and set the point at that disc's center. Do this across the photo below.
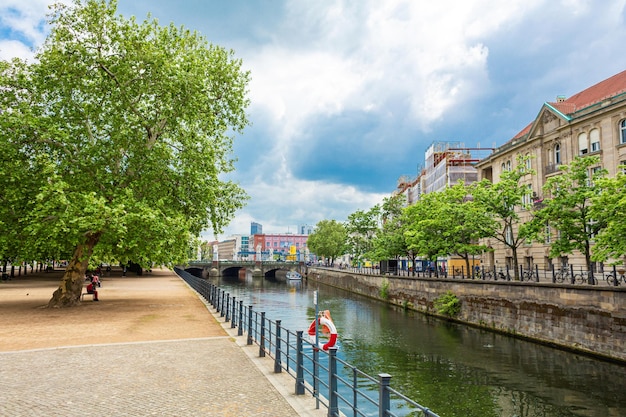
(566, 274)
(335, 384)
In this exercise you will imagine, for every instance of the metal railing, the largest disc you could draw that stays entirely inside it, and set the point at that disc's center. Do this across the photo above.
(567, 274)
(335, 384)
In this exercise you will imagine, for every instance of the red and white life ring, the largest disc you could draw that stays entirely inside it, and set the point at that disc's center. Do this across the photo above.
(325, 327)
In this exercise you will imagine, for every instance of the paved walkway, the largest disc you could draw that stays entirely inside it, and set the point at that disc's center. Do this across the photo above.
(209, 376)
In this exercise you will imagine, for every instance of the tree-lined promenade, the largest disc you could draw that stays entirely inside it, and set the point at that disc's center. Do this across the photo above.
(114, 142)
(583, 211)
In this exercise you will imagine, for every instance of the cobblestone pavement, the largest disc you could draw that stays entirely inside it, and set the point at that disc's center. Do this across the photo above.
(210, 376)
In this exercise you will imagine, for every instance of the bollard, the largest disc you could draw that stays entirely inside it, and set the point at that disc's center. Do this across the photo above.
(262, 336)
(240, 328)
(249, 341)
(299, 364)
(333, 404)
(222, 303)
(384, 396)
(277, 362)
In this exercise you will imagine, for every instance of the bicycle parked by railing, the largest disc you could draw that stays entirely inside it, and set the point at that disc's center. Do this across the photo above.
(527, 275)
(615, 278)
(563, 275)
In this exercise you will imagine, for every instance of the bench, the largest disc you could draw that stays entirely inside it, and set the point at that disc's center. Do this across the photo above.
(82, 296)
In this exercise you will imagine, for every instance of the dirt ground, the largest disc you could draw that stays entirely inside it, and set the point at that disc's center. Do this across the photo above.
(153, 306)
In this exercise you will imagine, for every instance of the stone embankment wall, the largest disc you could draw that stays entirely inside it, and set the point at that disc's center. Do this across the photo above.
(589, 319)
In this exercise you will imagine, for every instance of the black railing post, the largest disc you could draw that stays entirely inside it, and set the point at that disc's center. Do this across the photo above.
(571, 271)
(299, 364)
(222, 303)
(615, 280)
(333, 407)
(537, 273)
(553, 274)
(277, 360)
(384, 397)
(250, 340)
(240, 328)
(233, 320)
(227, 312)
(262, 336)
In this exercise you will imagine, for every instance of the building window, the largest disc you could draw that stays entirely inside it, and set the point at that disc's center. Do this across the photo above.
(508, 235)
(557, 154)
(622, 131)
(508, 165)
(527, 197)
(529, 164)
(594, 138)
(582, 144)
(592, 172)
(503, 167)
(623, 166)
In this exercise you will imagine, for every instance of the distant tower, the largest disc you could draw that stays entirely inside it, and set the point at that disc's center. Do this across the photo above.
(305, 229)
(256, 228)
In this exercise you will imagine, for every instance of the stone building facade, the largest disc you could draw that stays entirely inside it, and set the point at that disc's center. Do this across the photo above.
(591, 122)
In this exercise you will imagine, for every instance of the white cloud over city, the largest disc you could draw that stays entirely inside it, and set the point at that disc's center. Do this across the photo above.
(347, 95)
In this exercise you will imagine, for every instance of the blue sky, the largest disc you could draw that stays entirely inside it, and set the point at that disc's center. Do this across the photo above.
(347, 95)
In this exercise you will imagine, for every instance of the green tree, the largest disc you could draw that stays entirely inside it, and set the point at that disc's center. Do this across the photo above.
(328, 239)
(447, 223)
(119, 134)
(503, 201)
(389, 241)
(425, 234)
(567, 207)
(609, 209)
(362, 227)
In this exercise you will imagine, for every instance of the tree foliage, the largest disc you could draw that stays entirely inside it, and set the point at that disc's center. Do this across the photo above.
(447, 223)
(567, 207)
(118, 135)
(362, 227)
(609, 209)
(328, 239)
(389, 241)
(503, 201)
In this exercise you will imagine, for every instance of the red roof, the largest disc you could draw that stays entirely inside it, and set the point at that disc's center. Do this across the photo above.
(604, 89)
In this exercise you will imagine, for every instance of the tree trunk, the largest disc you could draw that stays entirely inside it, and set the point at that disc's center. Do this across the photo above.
(71, 286)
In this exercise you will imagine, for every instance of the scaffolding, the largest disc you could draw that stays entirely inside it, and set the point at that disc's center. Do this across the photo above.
(448, 163)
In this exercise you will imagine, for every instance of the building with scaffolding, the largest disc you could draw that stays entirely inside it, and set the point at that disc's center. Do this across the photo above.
(445, 164)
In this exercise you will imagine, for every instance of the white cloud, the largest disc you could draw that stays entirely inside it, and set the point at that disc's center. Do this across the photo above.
(25, 21)
(14, 49)
(372, 55)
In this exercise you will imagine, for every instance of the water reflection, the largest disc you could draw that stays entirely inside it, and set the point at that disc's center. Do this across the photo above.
(455, 370)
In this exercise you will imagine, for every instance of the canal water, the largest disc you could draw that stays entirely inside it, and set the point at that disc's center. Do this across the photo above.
(455, 370)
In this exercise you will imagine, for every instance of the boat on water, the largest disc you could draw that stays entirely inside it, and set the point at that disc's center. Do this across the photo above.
(293, 276)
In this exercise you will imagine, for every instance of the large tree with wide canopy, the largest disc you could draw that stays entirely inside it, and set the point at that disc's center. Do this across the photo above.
(115, 141)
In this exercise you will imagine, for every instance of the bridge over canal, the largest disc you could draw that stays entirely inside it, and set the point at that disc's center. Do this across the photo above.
(262, 269)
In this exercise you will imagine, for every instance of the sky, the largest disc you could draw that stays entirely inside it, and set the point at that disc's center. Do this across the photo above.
(347, 95)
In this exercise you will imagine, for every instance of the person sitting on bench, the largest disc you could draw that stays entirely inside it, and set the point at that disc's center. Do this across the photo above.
(91, 289)
(95, 280)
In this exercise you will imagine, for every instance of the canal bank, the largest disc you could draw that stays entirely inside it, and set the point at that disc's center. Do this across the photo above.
(590, 320)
